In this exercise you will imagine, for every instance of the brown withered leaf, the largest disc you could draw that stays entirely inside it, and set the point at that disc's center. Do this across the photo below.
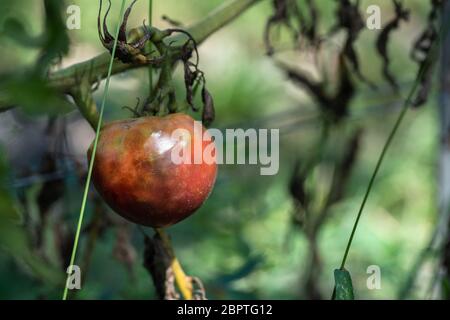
(349, 18)
(297, 187)
(382, 41)
(189, 79)
(422, 53)
(289, 14)
(279, 16)
(209, 112)
(344, 168)
(334, 104)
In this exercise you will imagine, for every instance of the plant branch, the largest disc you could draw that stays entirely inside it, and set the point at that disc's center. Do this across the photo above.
(82, 96)
(97, 67)
(218, 18)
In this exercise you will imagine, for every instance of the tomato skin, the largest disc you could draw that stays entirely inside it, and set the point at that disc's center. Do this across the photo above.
(134, 173)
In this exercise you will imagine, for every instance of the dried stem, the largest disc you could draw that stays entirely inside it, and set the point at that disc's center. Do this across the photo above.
(183, 282)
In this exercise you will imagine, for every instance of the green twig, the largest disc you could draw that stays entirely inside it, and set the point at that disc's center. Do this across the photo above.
(91, 163)
(218, 18)
(83, 98)
(399, 120)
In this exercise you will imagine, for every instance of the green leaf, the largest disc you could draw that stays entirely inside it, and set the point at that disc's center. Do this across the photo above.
(343, 289)
(34, 96)
(15, 30)
(57, 40)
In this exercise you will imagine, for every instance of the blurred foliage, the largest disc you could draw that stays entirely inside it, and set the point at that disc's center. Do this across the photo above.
(27, 88)
(242, 243)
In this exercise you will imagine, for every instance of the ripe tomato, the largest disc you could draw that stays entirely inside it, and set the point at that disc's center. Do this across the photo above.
(135, 173)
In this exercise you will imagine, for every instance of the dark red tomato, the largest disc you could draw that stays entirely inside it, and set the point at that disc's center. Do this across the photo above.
(135, 173)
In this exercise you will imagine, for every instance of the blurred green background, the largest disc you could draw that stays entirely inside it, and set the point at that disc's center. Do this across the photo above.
(242, 243)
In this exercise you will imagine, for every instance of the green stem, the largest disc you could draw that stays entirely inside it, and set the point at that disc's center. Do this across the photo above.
(85, 102)
(91, 163)
(399, 120)
(374, 174)
(218, 18)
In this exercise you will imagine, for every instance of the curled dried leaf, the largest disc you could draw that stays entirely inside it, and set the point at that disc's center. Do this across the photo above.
(349, 18)
(127, 52)
(422, 53)
(334, 105)
(299, 23)
(209, 112)
(189, 79)
(401, 13)
(345, 168)
(279, 16)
